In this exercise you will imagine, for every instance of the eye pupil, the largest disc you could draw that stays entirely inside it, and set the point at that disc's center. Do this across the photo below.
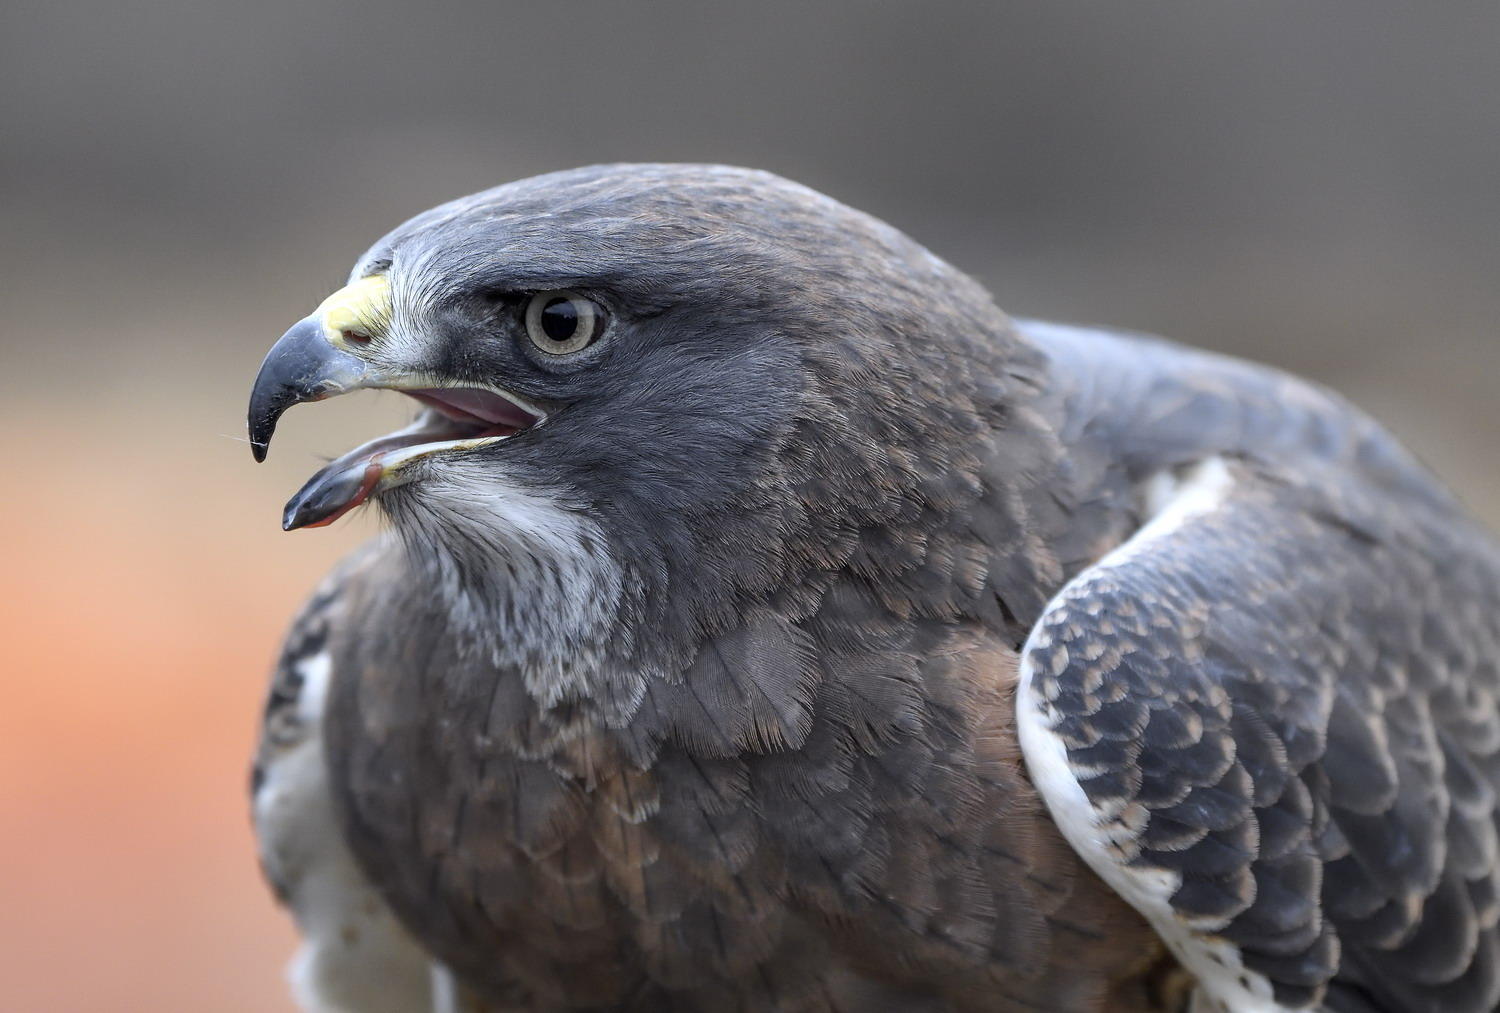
(560, 322)
(559, 319)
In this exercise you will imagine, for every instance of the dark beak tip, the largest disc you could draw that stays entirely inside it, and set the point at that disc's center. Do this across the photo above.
(300, 367)
(292, 516)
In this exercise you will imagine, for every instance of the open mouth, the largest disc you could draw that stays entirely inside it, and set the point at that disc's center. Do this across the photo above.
(455, 418)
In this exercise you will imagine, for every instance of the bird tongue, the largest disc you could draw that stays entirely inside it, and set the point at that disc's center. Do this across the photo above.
(458, 416)
(473, 406)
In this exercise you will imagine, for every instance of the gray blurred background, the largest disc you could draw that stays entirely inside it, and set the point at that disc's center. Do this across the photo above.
(1311, 184)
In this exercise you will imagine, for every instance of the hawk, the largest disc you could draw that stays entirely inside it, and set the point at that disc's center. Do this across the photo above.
(767, 622)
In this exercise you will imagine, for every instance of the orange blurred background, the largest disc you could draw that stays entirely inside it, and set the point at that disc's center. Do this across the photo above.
(1311, 185)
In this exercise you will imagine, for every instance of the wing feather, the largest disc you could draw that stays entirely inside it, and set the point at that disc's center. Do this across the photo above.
(1269, 721)
(354, 954)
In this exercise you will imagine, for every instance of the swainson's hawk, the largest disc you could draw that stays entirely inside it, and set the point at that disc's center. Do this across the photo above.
(770, 623)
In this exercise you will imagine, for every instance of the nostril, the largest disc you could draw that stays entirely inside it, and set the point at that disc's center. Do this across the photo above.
(356, 337)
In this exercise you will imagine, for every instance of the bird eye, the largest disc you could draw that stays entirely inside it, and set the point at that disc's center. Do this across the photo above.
(561, 322)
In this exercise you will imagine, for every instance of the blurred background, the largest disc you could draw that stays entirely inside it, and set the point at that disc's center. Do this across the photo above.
(1315, 185)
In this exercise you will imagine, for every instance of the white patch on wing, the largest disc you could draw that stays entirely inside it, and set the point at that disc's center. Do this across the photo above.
(1094, 833)
(355, 957)
(315, 672)
(448, 996)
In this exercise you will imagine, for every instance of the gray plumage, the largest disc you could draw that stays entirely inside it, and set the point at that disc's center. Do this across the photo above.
(702, 693)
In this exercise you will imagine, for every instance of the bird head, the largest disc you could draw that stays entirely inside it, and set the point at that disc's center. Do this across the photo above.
(692, 375)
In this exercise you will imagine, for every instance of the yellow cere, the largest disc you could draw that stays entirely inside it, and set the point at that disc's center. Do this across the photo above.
(361, 307)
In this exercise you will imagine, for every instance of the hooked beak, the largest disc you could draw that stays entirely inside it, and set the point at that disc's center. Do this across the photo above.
(306, 365)
(301, 367)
